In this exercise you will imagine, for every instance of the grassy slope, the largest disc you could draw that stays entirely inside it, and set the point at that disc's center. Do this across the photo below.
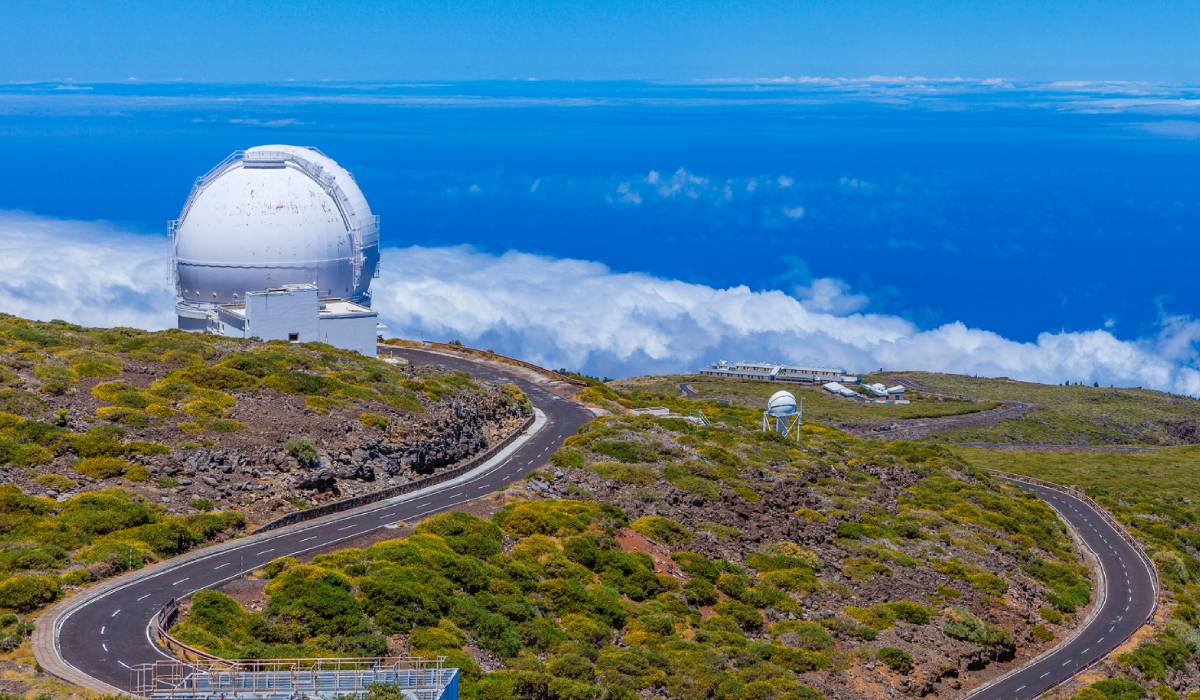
(1156, 494)
(80, 407)
(877, 544)
(1068, 415)
(819, 405)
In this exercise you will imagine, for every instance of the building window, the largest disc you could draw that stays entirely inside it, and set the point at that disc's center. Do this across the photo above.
(293, 337)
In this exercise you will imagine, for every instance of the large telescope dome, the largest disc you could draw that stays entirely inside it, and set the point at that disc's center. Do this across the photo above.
(271, 216)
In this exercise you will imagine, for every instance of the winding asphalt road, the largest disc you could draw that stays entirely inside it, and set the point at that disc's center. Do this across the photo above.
(1129, 601)
(108, 635)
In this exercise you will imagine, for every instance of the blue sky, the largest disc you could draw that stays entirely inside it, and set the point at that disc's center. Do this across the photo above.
(225, 41)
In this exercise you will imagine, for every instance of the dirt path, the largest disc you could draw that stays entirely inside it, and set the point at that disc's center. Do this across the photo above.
(917, 428)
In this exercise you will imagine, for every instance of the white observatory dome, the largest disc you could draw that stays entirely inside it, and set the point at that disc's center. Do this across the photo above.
(781, 403)
(270, 216)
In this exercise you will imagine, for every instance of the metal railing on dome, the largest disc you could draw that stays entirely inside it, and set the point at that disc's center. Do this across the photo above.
(284, 679)
(367, 229)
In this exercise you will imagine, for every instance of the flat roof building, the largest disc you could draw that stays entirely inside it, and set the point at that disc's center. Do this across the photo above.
(297, 314)
(769, 371)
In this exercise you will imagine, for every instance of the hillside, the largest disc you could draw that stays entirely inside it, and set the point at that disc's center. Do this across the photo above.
(1065, 415)
(663, 558)
(1156, 494)
(183, 419)
(120, 447)
(951, 408)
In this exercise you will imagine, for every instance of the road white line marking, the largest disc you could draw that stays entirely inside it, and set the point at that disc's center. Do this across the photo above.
(143, 597)
(482, 487)
(115, 612)
(104, 647)
(347, 527)
(123, 663)
(457, 495)
(422, 505)
(222, 566)
(1066, 662)
(265, 551)
(102, 628)
(1085, 651)
(181, 580)
(1020, 689)
(1044, 674)
(306, 539)
(1100, 640)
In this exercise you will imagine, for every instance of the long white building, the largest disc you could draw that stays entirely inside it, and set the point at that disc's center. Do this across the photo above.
(278, 243)
(768, 371)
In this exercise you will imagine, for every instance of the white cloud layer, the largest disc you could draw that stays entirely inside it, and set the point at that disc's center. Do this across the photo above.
(581, 314)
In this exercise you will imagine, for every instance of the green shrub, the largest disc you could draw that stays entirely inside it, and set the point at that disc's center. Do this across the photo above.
(1116, 689)
(556, 517)
(897, 659)
(203, 408)
(1051, 615)
(700, 592)
(215, 377)
(567, 457)
(697, 565)
(908, 611)
(225, 425)
(662, 529)
(373, 420)
(303, 451)
(54, 481)
(850, 529)
(26, 593)
(137, 473)
(465, 533)
(961, 623)
(118, 554)
(746, 616)
(802, 634)
(102, 467)
(625, 450)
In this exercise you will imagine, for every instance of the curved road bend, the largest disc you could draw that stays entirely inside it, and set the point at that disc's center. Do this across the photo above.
(1129, 601)
(108, 635)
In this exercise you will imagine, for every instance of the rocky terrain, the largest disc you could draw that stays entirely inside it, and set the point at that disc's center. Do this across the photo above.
(659, 557)
(875, 525)
(198, 422)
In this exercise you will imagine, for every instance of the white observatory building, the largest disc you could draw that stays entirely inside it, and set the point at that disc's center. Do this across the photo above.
(783, 414)
(278, 243)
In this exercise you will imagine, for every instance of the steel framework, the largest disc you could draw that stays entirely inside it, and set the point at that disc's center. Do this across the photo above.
(286, 679)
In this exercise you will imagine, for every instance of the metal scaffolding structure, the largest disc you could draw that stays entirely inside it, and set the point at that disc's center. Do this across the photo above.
(289, 679)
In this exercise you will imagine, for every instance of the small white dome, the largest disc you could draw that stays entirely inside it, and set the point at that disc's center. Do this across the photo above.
(781, 403)
(274, 215)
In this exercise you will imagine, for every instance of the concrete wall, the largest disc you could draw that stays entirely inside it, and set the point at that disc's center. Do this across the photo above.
(280, 315)
(355, 332)
(293, 314)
